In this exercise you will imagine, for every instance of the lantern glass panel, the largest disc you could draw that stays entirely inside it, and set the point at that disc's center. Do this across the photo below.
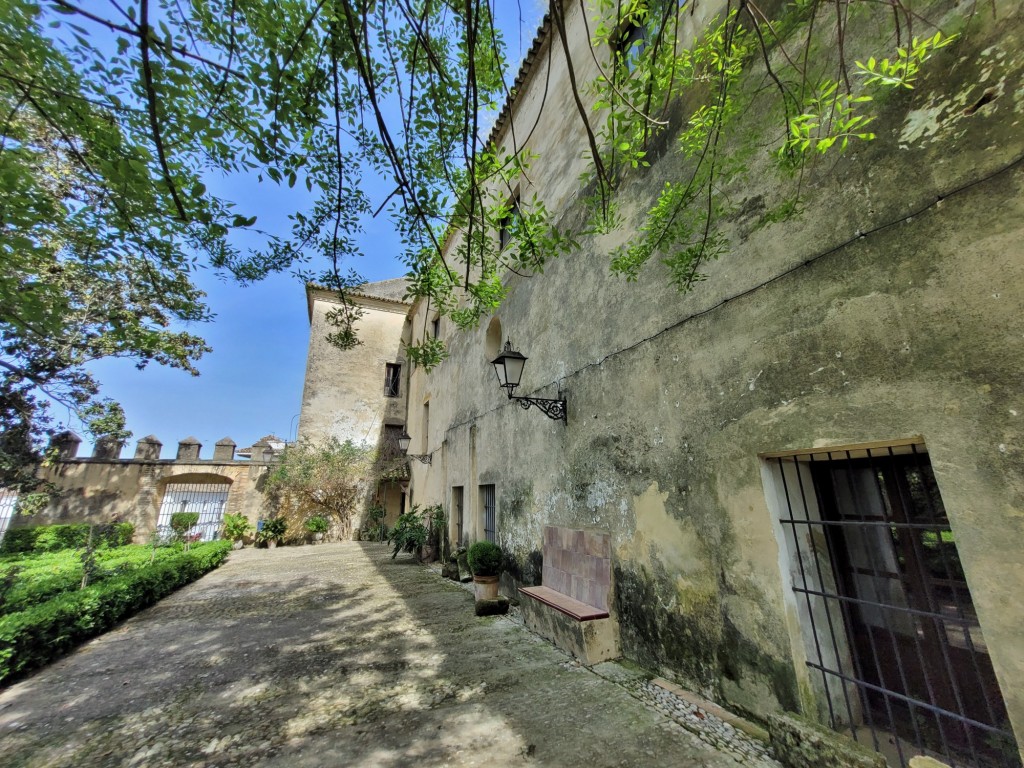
(514, 369)
(403, 441)
(499, 369)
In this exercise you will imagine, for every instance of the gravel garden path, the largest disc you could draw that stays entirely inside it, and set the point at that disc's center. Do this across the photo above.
(336, 655)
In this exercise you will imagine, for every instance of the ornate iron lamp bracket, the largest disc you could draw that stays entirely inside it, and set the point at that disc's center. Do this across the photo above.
(509, 368)
(553, 409)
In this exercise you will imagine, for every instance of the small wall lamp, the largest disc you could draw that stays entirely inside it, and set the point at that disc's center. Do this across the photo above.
(403, 443)
(509, 367)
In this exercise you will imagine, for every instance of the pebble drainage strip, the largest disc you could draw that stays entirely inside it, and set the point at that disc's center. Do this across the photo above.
(706, 726)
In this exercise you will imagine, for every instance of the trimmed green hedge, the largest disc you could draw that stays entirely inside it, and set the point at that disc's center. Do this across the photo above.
(36, 636)
(53, 538)
(30, 579)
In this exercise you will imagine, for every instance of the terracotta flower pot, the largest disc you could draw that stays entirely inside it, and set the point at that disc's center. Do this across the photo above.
(486, 587)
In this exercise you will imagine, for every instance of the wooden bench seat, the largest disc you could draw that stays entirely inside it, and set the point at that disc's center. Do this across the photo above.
(571, 606)
(567, 605)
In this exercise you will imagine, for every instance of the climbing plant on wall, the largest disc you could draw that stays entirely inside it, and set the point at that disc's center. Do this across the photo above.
(816, 91)
(115, 116)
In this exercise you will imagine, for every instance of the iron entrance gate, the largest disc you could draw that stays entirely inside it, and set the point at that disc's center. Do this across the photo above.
(896, 639)
(205, 499)
(8, 500)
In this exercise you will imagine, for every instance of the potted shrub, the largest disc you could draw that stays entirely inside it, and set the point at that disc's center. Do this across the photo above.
(236, 527)
(272, 532)
(317, 526)
(409, 533)
(485, 563)
(435, 523)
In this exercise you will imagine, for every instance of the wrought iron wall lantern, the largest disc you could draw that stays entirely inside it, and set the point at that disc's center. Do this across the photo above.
(509, 367)
(403, 443)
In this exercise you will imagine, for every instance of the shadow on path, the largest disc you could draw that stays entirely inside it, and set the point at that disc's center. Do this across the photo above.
(332, 655)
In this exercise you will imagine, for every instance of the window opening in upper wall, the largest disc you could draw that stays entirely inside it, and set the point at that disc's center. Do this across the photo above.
(507, 222)
(390, 448)
(891, 634)
(492, 339)
(629, 45)
(392, 379)
(435, 327)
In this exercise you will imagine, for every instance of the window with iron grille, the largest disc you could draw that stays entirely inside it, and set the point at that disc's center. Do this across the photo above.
(392, 379)
(893, 640)
(457, 507)
(488, 504)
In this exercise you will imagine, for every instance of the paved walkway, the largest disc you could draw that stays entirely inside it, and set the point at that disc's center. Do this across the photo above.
(333, 655)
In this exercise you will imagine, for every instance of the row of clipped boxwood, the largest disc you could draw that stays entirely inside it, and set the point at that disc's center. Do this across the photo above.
(31, 579)
(53, 538)
(37, 635)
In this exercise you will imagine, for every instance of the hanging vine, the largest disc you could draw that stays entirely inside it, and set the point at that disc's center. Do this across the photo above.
(819, 98)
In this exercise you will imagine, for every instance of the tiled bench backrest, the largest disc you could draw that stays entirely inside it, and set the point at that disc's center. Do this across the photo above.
(578, 564)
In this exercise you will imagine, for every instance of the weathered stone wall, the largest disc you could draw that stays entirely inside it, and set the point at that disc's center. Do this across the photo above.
(131, 490)
(892, 307)
(343, 395)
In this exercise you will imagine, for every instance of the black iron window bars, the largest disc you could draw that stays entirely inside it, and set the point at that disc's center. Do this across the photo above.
(894, 635)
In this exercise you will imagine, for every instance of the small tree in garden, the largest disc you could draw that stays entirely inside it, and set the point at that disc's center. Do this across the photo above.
(326, 479)
(181, 523)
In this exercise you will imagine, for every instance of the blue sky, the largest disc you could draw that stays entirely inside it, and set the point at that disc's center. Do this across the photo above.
(251, 384)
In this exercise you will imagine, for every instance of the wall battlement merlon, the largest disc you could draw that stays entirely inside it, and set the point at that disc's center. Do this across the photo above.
(165, 462)
(148, 450)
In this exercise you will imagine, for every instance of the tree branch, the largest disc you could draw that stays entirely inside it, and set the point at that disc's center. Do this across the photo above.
(154, 123)
(602, 176)
(184, 52)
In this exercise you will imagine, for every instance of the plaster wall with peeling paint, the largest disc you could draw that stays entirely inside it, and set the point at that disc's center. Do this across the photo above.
(343, 392)
(891, 308)
(344, 395)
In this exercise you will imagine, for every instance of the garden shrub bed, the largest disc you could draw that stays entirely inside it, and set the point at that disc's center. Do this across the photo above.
(38, 634)
(54, 538)
(29, 579)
